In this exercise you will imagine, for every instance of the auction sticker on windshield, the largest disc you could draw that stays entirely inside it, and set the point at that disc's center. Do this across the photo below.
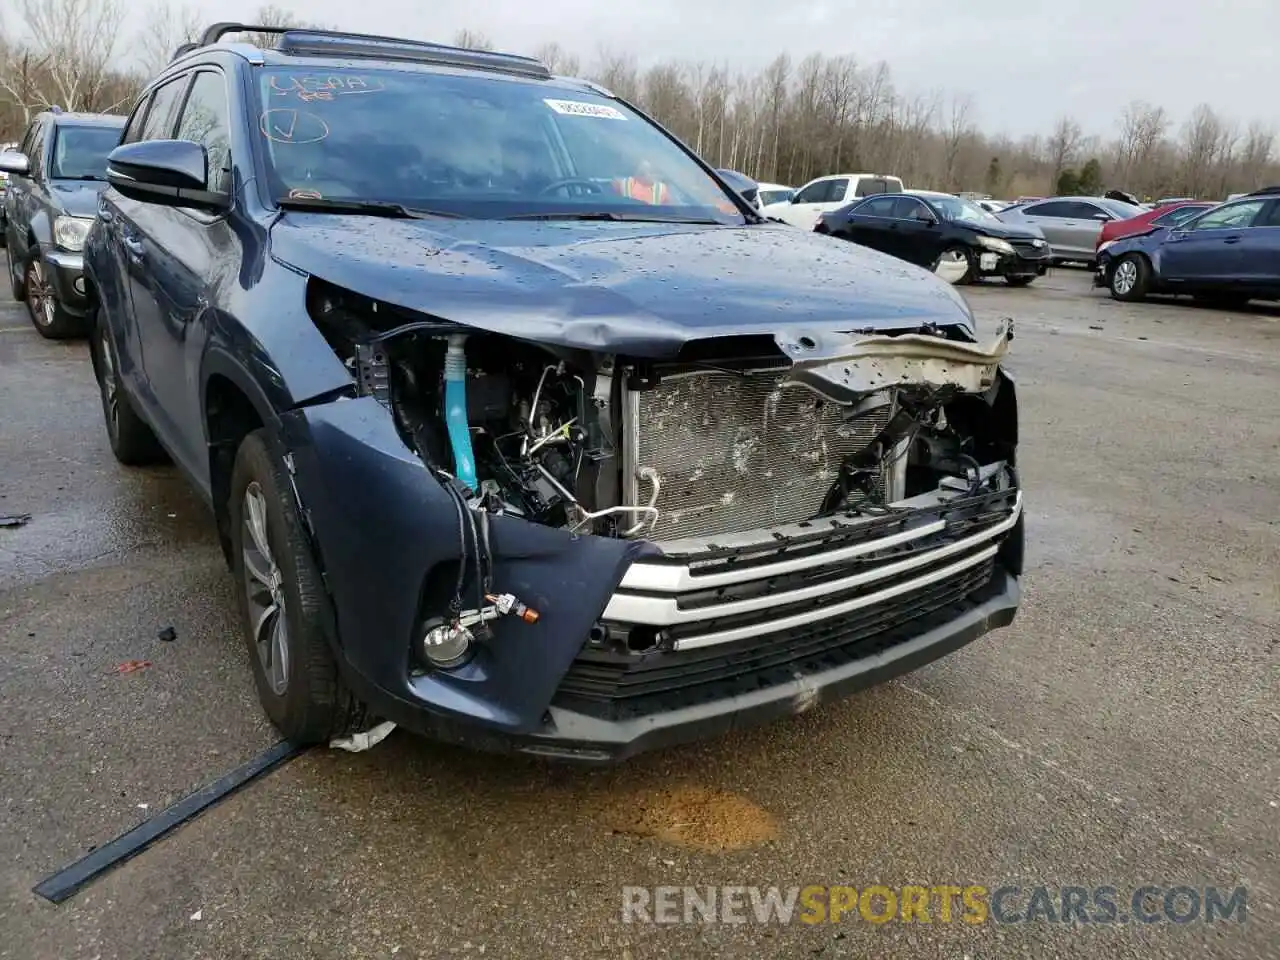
(577, 108)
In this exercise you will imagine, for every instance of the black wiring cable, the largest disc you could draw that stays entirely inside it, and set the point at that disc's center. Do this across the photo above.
(416, 326)
(488, 552)
(456, 603)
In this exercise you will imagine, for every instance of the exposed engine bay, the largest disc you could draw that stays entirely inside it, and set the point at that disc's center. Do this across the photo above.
(736, 435)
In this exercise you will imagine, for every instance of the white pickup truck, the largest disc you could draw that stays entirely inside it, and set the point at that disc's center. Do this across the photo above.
(829, 193)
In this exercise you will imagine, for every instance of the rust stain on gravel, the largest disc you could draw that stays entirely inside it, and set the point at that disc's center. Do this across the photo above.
(699, 817)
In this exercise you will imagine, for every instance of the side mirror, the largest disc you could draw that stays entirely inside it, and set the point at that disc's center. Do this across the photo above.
(174, 173)
(11, 161)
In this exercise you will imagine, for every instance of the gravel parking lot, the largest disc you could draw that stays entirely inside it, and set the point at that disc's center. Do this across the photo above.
(1122, 732)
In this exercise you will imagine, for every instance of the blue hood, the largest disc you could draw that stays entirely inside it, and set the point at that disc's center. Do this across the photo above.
(642, 289)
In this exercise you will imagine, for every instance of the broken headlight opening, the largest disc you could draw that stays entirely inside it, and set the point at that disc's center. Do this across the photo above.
(735, 435)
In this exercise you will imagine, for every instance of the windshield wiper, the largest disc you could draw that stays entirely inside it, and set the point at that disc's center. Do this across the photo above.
(608, 215)
(371, 208)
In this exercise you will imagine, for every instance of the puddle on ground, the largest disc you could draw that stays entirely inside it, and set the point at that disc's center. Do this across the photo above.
(700, 818)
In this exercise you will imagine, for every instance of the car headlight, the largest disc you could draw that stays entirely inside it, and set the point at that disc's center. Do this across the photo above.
(69, 232)
(996, 244)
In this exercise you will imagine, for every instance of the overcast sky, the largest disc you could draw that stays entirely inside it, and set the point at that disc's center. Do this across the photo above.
(1025, 62)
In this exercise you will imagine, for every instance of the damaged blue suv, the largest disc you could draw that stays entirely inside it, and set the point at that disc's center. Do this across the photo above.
(520, 426)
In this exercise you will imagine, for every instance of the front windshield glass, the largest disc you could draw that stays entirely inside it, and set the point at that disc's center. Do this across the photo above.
(80, 153)
(953, 208)
(474, 146)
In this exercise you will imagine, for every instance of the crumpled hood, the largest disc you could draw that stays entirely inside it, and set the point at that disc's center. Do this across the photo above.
(643, 289)
(1008, 231)
(78, 198)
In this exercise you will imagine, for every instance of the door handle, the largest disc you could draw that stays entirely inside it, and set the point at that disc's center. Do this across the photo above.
(1231, 240)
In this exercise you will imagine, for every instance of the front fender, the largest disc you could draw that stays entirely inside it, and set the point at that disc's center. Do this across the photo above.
(382, 524)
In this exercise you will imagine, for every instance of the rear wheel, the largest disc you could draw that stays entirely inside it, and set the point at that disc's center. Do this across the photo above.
(954, 265)
(48, 316)
(1130, 277)
(132, 440)
(284, 609)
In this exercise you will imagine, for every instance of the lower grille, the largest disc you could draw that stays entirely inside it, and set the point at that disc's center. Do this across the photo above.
(617, 687)
(737, 452)
(1028, 251)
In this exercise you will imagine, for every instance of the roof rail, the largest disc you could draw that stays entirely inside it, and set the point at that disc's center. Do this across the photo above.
(1264, 191)
(305, 41)
(219, 30)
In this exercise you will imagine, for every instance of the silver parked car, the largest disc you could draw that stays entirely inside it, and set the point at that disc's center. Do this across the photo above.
(1072, 225)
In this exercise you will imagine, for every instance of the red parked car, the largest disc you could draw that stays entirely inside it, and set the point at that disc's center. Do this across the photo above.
(1167, 216)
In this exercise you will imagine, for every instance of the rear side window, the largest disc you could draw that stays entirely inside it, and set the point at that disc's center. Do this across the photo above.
(163, 110)
(1272, 217)
(879, 207)
(1055, 208)
(870, 186)
(204, 120)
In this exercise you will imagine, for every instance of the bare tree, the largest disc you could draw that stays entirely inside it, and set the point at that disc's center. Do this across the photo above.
(67, 60)
(558, 60)
(1256, 153)
(1201, 142)
(957, 127)
(1063, 145)
(472, 40)
(167, 29)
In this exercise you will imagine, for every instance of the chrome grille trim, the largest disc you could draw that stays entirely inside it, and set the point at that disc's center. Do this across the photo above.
(838, 609)
(666, 611)
(678, 579)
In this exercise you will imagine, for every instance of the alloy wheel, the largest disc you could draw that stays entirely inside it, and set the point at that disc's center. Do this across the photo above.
(1125, 276)
(952, 265)
(264, 590)
(40, 299)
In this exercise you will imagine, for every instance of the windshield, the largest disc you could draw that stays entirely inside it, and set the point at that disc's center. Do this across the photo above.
(474, 146)
(80, 153)
(775, 196)
(953, 208)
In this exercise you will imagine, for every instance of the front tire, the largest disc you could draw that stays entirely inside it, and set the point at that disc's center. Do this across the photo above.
(1130, 278)
(955, 265)
(284, 609)
(16, 286)
(48, 315)
(132, 441)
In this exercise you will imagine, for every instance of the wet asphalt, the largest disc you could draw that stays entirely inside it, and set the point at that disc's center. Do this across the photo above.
(1122, 731)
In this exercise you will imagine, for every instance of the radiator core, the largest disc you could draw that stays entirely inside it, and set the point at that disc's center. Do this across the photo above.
(736, 452)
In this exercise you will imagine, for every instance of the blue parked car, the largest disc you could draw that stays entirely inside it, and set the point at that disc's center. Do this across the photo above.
(505, 455)
(1229, 254)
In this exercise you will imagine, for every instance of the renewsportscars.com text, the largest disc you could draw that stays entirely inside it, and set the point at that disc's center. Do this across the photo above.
(943, 903)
